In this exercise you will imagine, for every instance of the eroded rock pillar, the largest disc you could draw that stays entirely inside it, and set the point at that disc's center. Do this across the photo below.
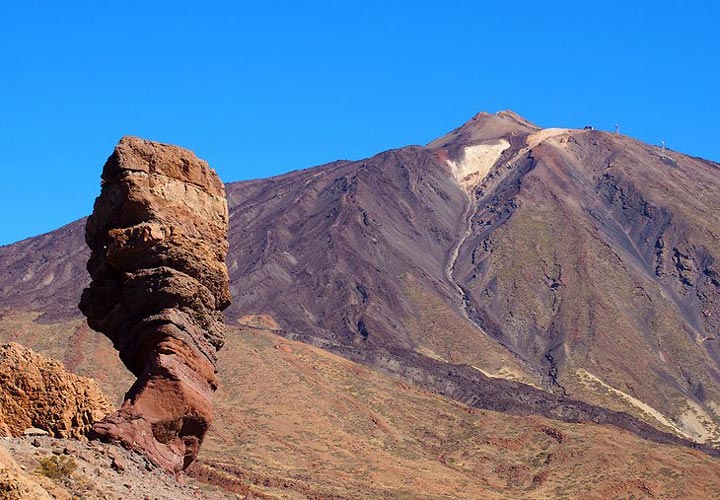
(158, 240)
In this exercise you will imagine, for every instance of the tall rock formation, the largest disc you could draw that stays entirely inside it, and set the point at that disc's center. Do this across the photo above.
(158, 237)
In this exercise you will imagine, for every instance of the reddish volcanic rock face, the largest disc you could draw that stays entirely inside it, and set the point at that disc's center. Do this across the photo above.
(158, 236)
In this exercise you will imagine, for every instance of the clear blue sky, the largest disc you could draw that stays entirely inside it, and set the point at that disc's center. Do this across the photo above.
(261, 88)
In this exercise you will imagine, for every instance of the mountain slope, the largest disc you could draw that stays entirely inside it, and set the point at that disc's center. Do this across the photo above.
(603, 272)
(575, 261)
(294, 421)
(301, 420)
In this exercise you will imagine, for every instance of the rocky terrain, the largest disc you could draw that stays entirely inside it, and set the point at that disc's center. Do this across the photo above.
(158, 240)
(566, 274)
(45, 413)
(44, 468)
(37, 392)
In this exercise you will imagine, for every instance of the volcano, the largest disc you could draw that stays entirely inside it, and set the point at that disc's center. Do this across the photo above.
(569, 273)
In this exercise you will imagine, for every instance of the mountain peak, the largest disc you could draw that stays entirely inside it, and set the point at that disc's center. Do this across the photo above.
(486, 126)
(511, 115)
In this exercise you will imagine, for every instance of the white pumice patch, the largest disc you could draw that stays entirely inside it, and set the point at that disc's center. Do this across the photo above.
(476, 162)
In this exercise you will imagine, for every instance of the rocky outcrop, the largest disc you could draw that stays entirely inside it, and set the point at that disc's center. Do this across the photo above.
(158, 237)
(37, 392)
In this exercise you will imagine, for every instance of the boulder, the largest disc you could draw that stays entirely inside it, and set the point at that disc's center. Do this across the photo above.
(38, 397)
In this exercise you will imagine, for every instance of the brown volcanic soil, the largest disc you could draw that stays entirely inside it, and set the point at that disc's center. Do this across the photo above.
(300, 420)
(294, 421)
(585, 261)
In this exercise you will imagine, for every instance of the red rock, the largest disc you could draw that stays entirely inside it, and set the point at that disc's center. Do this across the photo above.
(158, 237)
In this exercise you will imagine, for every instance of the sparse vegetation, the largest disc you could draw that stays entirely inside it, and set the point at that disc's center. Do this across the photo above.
(56, 467)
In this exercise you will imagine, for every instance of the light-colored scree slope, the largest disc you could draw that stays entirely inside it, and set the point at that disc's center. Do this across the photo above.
(476, 162)
(588, 378)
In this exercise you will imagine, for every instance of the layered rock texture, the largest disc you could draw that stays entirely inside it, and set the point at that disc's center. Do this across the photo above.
(37, 392)
(158, 237)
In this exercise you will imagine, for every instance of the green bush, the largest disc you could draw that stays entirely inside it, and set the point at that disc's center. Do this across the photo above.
(57, 467)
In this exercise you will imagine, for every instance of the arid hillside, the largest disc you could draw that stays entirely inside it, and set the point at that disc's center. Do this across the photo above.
(295, 421)
(506, 266)
(312, 422)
